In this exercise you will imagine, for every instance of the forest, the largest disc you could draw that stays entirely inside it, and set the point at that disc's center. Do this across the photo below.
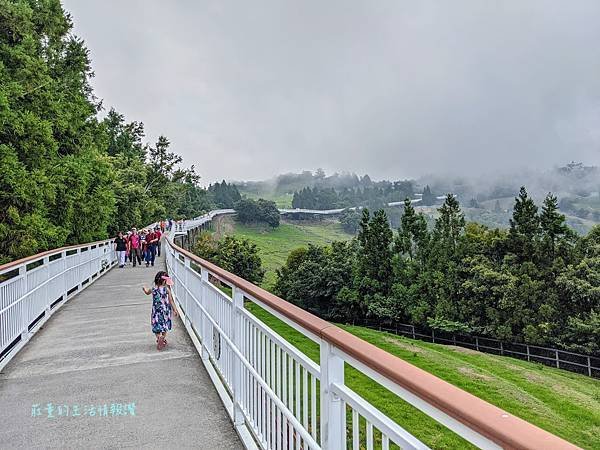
(536, 282)
(67, 176)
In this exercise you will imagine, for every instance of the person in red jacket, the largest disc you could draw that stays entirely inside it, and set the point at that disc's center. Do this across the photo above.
(135, 250)
(151, 241)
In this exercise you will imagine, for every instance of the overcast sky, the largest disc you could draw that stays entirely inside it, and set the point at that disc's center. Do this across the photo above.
(250, 89)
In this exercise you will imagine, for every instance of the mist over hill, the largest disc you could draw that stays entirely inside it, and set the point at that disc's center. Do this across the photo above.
(485, 198)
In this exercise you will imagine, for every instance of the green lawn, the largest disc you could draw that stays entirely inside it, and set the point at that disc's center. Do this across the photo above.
(561, 402)
(283, 201)
(275, 244)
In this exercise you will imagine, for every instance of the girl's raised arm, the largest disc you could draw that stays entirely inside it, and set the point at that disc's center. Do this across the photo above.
(146, 290)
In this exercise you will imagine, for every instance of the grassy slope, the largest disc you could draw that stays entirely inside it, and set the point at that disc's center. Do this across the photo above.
(282, 201)
(275, 245)
(561, 402)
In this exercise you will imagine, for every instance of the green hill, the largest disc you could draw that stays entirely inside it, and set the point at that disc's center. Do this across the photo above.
(563, 403)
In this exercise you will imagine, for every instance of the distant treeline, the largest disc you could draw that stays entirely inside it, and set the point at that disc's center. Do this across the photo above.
(224, 195)
(537, 282)
(375, 195)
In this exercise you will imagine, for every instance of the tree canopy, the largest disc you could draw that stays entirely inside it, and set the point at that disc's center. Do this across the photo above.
(66, 176)
(536, 282)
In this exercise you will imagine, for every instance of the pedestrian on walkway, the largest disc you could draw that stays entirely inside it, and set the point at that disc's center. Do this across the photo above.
(121, 249)
(128, 252)
(163, 307)
(151, 241)
(158, 234)
(135, 247)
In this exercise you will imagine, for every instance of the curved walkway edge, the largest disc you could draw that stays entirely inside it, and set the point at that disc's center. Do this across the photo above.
(92, 377)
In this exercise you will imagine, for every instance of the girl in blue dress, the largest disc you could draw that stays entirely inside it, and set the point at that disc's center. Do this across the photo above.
(163, 307)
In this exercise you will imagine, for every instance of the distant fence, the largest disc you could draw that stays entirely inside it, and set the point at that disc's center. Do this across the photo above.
(561, 359)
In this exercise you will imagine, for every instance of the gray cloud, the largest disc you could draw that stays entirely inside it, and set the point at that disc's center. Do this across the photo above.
(246, 90)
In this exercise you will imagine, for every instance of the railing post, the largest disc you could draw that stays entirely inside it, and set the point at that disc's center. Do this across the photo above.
(46, 268)
(236, 337)
(65, 275)
(187, 269)
(24, 324)
(477, 343)
(528, 355)
(79, 269)
(205, 321)
(557, 360)
(589, 366)
(333, 410)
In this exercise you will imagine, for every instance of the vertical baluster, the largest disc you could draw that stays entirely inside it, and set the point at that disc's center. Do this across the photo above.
(313, 407)
(284, 379)
(385, 442)
(291, 399)
(297, 400)
(304, 398)
(355, 430)
(369, 435)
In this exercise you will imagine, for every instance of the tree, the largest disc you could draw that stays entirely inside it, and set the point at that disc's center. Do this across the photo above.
(374, 255)
(524, 226)
(427, 199)
(412, 233)
(65, 176)
(257, 211)
(553, 227)
(350, 220)
(238, 256)
(451, 222)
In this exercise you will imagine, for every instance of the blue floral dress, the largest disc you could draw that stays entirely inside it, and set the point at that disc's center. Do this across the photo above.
(161, 310)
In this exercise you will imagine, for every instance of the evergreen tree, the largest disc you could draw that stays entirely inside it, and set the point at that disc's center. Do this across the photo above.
(427, 198)
(375, 255)
(553, 226)
(451, 222)
(412, 234)
(524, 227)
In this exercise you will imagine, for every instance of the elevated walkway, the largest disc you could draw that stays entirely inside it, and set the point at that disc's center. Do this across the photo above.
(98, 350)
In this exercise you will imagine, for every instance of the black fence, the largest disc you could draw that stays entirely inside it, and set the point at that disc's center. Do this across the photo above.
(561, 359)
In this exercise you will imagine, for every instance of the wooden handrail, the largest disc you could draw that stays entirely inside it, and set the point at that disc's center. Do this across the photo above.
(501, 427)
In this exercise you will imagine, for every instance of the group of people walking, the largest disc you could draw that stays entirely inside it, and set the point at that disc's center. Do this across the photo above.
(136, 247)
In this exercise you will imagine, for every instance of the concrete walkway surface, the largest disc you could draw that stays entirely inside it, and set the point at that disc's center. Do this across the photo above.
(92, 378)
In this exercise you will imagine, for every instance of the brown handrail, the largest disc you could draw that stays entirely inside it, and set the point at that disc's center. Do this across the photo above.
(10, 264)
(501, 427)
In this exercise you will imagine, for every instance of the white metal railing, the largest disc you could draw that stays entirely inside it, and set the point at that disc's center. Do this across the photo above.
(31, 289)
(182, 226)
(287, 401)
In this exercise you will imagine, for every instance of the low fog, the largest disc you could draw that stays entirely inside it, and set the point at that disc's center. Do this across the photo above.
(396, 89)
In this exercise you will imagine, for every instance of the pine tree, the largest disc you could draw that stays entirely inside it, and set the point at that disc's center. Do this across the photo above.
(428, 198)
(553, 225)
(451, 222)
(412, 233)
(524, 227)
(375, 254)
